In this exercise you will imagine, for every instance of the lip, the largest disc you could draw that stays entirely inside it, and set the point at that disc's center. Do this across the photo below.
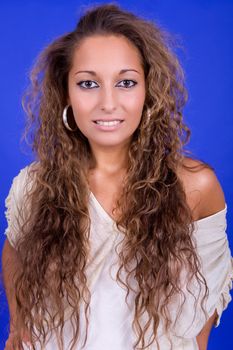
(107, 120)
(108, 128)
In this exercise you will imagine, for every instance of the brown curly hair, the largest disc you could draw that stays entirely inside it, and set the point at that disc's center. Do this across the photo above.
(157, 225)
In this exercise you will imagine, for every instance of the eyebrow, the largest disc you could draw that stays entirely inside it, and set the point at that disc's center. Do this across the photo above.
(94, 73)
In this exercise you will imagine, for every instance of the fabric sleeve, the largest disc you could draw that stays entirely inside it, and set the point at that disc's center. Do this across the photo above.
(16, 209)
(216, 261)
(212, 247)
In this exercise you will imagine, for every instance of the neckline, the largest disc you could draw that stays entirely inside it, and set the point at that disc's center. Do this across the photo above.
(108, 217)
(218, 213)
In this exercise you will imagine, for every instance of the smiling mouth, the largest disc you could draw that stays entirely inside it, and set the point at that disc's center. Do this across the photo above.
(108, 122)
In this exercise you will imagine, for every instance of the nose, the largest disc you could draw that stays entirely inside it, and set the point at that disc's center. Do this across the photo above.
(108, 100)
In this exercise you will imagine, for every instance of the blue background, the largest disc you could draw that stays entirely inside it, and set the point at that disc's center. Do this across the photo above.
(205, 29)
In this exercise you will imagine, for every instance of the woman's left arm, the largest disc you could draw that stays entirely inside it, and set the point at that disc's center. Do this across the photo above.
(212, 200)
(203, 336)
(206, 197)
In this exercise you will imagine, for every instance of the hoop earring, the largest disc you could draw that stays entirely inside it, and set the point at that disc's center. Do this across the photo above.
(68, 119)
(148, 113)
(147, 117)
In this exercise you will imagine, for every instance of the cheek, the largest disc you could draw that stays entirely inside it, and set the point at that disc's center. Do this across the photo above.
(135, 105)
(81, 109)
(83, 103)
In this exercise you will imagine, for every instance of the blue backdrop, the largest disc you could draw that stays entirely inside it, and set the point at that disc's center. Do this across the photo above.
(205, 28)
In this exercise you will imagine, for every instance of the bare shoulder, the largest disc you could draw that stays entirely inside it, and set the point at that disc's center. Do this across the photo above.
(203, 190)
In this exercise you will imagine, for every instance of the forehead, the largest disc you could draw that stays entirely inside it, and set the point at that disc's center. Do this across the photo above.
(107, 51)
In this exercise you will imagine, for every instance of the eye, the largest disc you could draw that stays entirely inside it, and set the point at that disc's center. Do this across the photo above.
(87, 84)
(126, 83)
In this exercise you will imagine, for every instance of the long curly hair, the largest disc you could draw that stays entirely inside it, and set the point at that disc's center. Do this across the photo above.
(157, 226)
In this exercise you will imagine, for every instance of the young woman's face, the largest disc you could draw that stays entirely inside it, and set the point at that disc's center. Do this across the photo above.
(106, 89)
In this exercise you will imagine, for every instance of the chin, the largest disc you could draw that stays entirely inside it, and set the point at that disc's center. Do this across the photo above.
(110, 142)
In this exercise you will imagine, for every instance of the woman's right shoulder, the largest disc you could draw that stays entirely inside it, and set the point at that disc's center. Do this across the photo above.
(17, 207)
(24, 179)
(27, 171)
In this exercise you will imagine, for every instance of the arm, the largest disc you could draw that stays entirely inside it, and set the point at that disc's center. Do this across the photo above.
(212, 201)
(11, 266)
(203, 336)
(205, 197)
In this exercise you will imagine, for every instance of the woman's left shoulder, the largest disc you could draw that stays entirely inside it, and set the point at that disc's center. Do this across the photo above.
(203, 191)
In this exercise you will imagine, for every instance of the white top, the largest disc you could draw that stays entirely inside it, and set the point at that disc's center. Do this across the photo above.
(111, 318)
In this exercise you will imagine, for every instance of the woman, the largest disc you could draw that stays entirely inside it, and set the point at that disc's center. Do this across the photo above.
(116, 240)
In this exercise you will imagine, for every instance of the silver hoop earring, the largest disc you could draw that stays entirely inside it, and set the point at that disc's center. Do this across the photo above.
(68, 120)
(148, 113)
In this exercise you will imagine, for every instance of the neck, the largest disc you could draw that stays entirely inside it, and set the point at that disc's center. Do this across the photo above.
(109, 160)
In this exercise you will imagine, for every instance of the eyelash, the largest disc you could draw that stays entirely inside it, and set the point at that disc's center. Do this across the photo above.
(91, 81)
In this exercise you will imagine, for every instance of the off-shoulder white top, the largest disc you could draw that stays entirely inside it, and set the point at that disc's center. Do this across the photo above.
(111, 318)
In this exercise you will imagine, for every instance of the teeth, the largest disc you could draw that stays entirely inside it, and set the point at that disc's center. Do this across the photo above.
(105, 123)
